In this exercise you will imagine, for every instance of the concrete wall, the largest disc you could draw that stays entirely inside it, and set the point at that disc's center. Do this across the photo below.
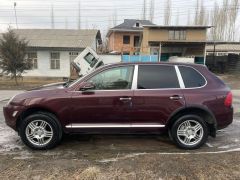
(44, 69)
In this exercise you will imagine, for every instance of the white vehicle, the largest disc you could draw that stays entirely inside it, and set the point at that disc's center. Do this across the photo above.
(87, 61)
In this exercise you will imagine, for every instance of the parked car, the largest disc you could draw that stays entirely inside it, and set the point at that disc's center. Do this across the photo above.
(185, 100)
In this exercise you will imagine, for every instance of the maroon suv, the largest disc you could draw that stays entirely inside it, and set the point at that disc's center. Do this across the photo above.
(185, 100)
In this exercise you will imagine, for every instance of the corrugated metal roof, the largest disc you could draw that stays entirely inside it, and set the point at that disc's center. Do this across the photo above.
(224, 47)
(58, 37)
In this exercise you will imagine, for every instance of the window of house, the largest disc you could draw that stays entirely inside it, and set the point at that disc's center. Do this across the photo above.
(55, 60)
(137, 24)
(115, 78)
(177, 35)
(157, 77)
(126, 39)
(32, 57)
(136, 41)
(191, 77)
(72, 55)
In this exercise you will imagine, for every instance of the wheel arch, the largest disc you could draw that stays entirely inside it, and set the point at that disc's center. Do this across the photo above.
(201, 111)
(32, 110)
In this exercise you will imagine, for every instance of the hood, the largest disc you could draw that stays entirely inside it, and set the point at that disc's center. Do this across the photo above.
(58, 85)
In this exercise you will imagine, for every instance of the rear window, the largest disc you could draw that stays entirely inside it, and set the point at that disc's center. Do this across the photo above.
(191, 77)
(156, 77)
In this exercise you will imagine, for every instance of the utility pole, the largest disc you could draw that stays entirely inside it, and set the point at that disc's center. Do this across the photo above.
(52, 18)
(144, 10)
(15, 4)
(79, 14)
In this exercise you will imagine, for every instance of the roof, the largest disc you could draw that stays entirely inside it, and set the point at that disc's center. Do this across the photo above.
(130, 25)
(224, 46)
(176, 27)
(60, 38)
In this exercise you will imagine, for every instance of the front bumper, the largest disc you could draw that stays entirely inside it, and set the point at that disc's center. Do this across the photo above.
(11, 114)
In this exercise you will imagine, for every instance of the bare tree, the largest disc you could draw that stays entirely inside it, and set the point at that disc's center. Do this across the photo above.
(152, 9)
(177, 19)
(189, 18)
(115, 19)
(197, 13)
(167, 13)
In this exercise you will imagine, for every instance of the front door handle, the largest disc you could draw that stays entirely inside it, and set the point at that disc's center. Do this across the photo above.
(125, 99)
(175, 97)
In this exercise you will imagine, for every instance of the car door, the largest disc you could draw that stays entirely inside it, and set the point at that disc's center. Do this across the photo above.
(157, 94)
(108, 103)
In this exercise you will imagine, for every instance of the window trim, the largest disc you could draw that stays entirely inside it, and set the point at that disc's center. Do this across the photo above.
(129, 39)
(135, 79)
(32, 60)
(98, 90)
(206, 82)
(55, 60)
(179, 77)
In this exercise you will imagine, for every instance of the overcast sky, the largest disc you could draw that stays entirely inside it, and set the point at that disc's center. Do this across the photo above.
(94, 13)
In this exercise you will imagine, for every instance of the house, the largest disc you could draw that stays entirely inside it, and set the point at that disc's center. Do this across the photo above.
(222, 48)
(142, 37)
(52, 50)
(181, 41)
(125, 38)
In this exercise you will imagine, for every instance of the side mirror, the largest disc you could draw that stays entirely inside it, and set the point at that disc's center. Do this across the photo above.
(87, 86)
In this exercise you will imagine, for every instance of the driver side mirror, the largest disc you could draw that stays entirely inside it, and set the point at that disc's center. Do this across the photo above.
(87, 86)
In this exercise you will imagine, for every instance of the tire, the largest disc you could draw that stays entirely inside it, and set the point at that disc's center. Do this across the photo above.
(189, 132)
(40, 130)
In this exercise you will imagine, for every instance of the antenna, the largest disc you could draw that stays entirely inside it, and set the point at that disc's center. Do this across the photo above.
(15, 4)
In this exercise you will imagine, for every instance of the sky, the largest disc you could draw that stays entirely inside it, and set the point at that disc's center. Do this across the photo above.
(98, 14)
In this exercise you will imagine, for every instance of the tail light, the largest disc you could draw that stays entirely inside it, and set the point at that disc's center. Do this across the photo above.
(228, 100)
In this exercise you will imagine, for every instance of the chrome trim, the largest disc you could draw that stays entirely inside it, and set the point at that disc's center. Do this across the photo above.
(206, 82)
(179, 76)
(111, 125)
(14, 113)
(135, 78)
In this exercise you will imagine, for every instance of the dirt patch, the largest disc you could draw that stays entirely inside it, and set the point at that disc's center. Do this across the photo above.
(26, 83)
(150, 167)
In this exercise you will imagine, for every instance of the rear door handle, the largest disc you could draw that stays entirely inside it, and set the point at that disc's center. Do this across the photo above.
(125, 99)
(175, 97)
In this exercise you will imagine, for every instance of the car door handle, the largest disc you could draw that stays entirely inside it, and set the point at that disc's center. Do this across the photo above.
(125, 99)
(175, 97)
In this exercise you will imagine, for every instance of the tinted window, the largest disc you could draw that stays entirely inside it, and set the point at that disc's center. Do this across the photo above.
(115, 78)
(157, 76)
(191, 77)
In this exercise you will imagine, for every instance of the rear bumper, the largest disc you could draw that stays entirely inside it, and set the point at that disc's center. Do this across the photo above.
(224, 118)
(11, 114)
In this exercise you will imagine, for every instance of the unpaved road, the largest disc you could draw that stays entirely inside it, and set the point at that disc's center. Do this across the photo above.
(122, 157)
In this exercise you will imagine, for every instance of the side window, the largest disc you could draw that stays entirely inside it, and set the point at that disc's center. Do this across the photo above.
(156, 77)
(191, 77)
(115, 78)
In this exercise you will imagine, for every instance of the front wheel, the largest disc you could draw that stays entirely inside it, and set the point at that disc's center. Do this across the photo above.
(40, 131)
(189, 132)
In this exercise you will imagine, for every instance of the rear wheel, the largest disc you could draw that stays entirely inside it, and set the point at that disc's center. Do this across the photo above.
(189, 132)
(40, 131)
